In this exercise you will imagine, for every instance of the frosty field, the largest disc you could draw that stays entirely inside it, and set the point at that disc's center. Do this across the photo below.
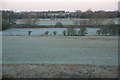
(41, 31)
(59, 50)
(64, 21)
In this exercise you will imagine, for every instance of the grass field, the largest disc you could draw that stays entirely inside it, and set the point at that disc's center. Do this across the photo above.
(59, 50)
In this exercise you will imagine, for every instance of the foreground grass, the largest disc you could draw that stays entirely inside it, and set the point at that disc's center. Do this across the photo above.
(59, 50)
(58, 71)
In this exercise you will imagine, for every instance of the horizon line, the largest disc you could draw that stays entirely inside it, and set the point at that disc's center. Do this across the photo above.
(53, 10)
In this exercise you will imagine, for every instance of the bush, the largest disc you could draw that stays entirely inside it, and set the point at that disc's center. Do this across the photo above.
(54, 32)
(58, 24)
(5, 24)
(110, 30)
(46, 32)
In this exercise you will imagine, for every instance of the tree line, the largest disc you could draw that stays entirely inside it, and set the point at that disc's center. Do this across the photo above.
(62, 14)
(30, 19)
(110, 29)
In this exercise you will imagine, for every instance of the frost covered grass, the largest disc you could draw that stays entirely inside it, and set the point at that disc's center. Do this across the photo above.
(41, 31)
(59, 50)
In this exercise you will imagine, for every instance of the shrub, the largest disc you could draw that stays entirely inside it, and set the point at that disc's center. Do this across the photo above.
(54, 32)
(64, 32)
(46, 32)
(58, 24)
(5, 24)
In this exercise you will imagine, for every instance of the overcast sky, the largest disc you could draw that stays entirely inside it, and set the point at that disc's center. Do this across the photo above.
(67, 5)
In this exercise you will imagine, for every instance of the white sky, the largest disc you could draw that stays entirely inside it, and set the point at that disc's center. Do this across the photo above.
(68, 5)
(60, 0)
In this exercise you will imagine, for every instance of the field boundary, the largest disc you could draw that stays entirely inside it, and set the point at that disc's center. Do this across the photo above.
(62, 37)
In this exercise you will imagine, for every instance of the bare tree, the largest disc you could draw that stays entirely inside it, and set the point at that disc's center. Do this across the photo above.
(83, 30)
(109, 29)
(64, 32)
(30, 19)
(75, 23)
(83, 22)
